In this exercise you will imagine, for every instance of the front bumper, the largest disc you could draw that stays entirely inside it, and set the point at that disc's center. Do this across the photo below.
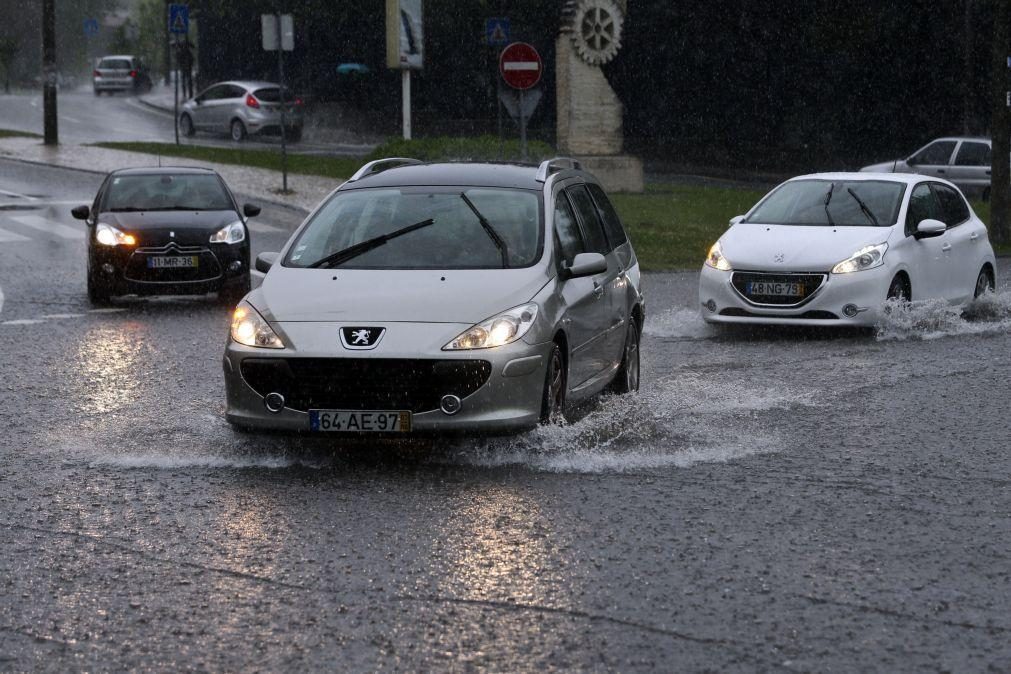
(509, 399)
(126, 272)
(720, 302)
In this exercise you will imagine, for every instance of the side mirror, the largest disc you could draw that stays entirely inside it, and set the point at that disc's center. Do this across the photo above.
(911, 161)
(734, 220)
(586, 264)
(250, 210)
(929, 228)
(80, 212)
(264, 261)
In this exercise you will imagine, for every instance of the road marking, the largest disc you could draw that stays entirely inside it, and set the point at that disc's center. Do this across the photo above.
(17, 195)
(262, 227)
(70, 119)
(60, 316)
(48, 226)
(1, 300)
(11, 237)
(23, 321)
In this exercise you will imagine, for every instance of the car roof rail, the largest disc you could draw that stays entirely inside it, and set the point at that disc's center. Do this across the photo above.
(379, 165)
(549, 166)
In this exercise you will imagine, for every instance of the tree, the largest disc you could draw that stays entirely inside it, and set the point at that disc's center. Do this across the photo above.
(8, 50)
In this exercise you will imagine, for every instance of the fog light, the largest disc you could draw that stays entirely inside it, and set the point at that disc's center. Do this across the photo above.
(850, 310)
(108, 268)
(450, 404)
(710, 305)
(234, 266)
(274, 402)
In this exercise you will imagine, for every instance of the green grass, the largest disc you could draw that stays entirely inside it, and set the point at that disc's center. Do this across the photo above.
(330, 167)
(8, 133)
(673, 226)
(453, 148)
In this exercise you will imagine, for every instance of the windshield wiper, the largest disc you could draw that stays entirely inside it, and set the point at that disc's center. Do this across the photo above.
(365, 246)
(828, 198)
(492, 234)
(127, 209)
(863, 207)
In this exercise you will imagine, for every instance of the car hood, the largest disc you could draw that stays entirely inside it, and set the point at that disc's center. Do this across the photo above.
(801, 248)
(155, 227)
(383, 295)
(894, 166)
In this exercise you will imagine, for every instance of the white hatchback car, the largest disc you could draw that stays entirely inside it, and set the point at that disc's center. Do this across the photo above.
(828, 249)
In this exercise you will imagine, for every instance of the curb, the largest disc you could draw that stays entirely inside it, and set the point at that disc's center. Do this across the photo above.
(154, 106)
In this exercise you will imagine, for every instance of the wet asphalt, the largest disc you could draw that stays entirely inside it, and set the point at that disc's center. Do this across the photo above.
(770, 501)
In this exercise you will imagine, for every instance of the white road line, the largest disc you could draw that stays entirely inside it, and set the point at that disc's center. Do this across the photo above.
(11, 237)
(17, 195)
(262, 227)
(1, 300)
(23, 321)
(70, 119)
(49, 226)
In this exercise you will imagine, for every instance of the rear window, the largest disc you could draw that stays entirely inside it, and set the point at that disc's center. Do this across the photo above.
(166, 192)
(115, 64)
(273, 95)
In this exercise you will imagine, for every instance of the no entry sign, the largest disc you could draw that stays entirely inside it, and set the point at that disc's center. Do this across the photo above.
(520, 65)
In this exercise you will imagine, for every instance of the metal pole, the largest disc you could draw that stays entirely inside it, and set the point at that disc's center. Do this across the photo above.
(1000, 127)
(405, 85)
(168, 42)
(280, 75)
(175, 115)
(523, 127)
(50, 128)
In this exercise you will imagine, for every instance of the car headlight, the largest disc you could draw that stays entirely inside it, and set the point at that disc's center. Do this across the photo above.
(233, 233)
(249, 328)
(107, 235)
(499, 330)
(868, 257)
(716, 260)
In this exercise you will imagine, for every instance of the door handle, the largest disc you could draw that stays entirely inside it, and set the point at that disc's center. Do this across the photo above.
(973, 236)
(946, 247)
(940, 170)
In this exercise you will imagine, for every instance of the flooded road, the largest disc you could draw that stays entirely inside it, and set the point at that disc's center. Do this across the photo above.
(799, 501)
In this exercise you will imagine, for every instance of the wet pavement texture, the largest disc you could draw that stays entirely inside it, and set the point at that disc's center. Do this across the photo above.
(770, 501)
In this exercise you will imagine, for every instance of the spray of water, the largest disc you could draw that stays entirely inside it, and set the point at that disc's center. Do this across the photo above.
(678, 323)
(933, 319)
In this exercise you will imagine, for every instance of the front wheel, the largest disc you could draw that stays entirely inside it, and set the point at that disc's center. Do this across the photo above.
(555, 377)
(627, 378)
(186, 125)
(232, 294)
(984, 282)
(899, 289)
(238, 130)
(98, 292)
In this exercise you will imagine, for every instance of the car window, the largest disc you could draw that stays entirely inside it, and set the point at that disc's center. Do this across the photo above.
(213, 93)
(836, 203)
(166, 192)
(938, 152)
(273, 95)
(570, 240)
(233, 91)
(953, 209)
(114, 64)
(922, 206)
(612, 223)
(973, 154)
(593, 230)
(456, 239)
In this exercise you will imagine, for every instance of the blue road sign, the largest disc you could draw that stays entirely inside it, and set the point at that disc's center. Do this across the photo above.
(496, 31)
(91, 27)
(179, 19)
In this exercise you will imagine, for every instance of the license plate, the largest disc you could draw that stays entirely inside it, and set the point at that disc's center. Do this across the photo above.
(173, 262)
(355, 421)
(772, 289)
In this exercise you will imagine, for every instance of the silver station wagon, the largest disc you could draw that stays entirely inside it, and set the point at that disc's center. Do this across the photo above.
(440, 297)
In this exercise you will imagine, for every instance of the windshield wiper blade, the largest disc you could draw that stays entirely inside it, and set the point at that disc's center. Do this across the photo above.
(863, 207)
(828, 198)
(492, 234)
(365, 246)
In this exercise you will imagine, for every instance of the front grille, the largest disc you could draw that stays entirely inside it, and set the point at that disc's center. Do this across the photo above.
(207, 269)
(813, 315)
(365, 383)
(811, 282)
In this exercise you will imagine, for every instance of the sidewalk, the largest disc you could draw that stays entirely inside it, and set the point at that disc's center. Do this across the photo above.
(254, 183)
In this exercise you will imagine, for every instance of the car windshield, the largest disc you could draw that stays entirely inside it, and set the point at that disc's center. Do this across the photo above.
(843, 203)
(114, 64)
(166, 192)
(455, 239)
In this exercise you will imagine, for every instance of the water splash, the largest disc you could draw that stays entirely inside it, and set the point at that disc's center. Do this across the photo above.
(681, 323)
(933, 319)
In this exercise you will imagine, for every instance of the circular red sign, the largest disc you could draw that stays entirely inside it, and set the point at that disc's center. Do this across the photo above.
(520, 65)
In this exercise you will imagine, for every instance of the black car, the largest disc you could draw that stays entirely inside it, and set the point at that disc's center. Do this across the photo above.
(175, 231)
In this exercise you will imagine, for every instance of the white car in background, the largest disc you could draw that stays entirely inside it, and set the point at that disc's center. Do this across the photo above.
(829, 249)
(964, 161)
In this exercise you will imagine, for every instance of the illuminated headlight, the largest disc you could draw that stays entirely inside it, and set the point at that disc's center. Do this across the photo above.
(249, 328)
(499, 330)
(107, 235)
(233, 233)
(865, 258)
(716, 260)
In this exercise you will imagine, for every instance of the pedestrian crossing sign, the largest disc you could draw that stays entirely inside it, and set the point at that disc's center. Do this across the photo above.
(179, 19)
(496, 31)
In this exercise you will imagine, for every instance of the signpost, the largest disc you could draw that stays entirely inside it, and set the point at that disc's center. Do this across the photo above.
(278, 33)
(521, 67)
(496, 31)
(404, 48)
(178, 24)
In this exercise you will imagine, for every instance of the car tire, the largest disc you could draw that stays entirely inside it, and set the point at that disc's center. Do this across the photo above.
(230, 295)
(627, 378)
(98, 92)
(984, 282)
(238, 130)
(555, 387)
(186, 126)
(899, 289)
(99, 292)
(296, 135)
(986, 194)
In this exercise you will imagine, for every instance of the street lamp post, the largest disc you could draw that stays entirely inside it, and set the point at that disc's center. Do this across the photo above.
(50, 74)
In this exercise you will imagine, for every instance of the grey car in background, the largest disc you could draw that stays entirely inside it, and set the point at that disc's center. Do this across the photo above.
(120, 73)
(964, 161)
(240, 109)
(440, 297)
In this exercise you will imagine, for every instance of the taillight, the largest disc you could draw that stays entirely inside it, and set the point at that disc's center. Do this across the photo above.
(133, 73)
(298, 101)
(96, 74)
(251, 101)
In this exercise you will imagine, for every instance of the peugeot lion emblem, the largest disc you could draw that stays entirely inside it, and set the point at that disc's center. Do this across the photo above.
(172, 235)
(779, 257)
(361, 338)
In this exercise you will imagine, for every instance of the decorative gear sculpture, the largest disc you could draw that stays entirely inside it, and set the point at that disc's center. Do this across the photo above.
(595, 29)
